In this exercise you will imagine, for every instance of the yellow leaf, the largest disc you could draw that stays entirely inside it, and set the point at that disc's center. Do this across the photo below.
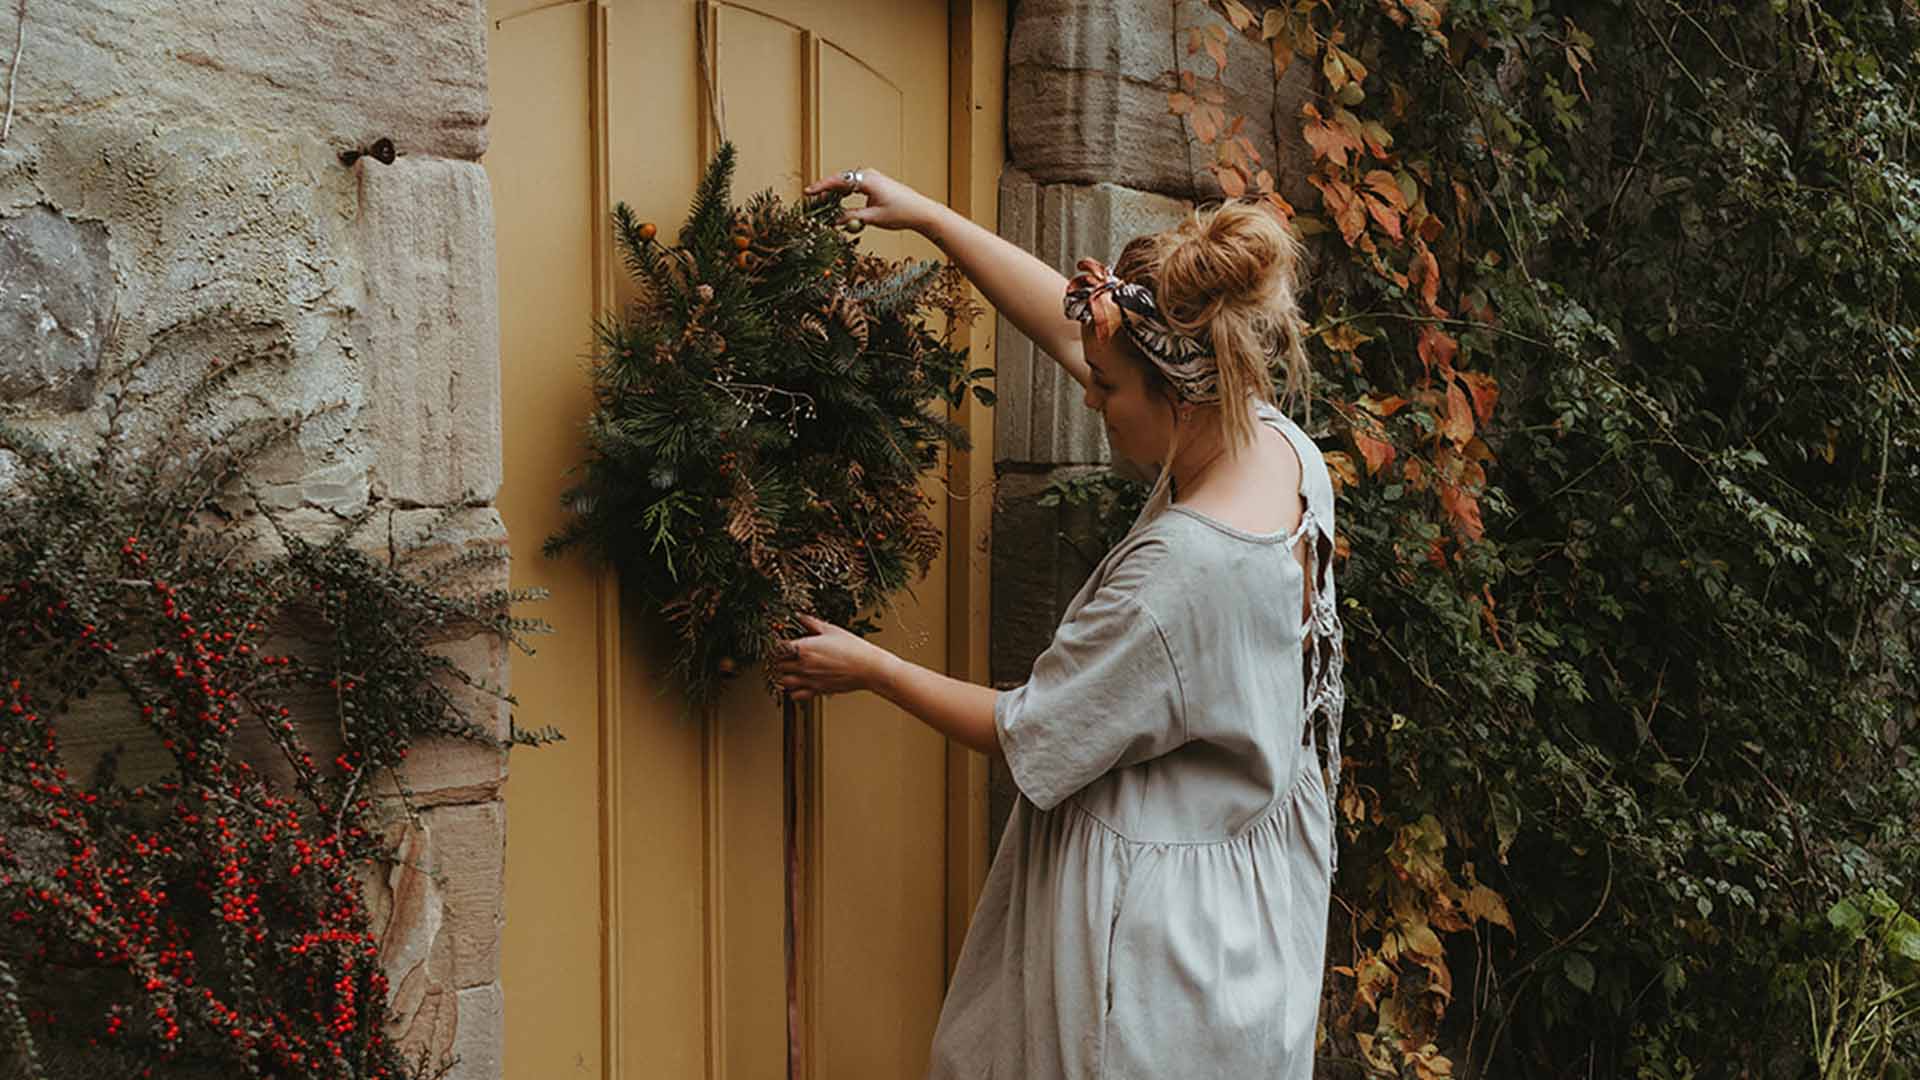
(1353, 67)
(1378, 139)
(1238, 14)
(1420, 938)
(1345, 337)
(1383, 406)
(1334, 69)
(1344, 474)
(1488, 906)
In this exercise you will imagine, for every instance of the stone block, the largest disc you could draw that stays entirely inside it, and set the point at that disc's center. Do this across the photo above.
(1087, 86)
(1041, 417)
(56, 301)
(429, 333)
(438, 909)
(425, 538)
(337, 71)
(482, 1035)
(454, 770)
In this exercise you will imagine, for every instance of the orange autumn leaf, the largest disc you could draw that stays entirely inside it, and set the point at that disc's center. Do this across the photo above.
(1232, 182)
(1217, 48)
(1383, 184)
(1437, 348)
(1237, 14)
(1343, 205)
(1463, 507)
(1426, 271)
(1414, 474)
(1328, 140)
(1485, 392)
(1384, 216)
(1277, 201)
(1457, 422)
(1375, 452)
(1204, 127)
(1179, 103)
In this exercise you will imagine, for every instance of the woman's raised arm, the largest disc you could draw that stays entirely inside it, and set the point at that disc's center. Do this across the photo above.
(1024, 289)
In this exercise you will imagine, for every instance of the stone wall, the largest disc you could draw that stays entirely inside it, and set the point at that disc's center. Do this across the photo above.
(1095, 159)
(172, 192)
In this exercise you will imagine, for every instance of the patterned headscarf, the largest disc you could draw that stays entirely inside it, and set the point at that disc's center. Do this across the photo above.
(1106, 302)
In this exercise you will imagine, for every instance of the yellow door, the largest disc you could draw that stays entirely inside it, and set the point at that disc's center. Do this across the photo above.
(645, 881)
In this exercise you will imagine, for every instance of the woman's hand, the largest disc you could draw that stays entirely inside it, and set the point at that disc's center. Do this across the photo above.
(832, 661)
(890, 203)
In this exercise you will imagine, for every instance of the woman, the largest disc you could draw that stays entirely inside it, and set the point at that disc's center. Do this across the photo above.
(1158, 904)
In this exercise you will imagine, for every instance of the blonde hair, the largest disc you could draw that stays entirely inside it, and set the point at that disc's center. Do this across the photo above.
(1232, 274)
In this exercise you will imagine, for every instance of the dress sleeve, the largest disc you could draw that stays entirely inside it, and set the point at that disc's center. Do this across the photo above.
(1105, 694)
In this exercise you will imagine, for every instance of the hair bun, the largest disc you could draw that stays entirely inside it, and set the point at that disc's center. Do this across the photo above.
(1237, 255)
(1230, 273)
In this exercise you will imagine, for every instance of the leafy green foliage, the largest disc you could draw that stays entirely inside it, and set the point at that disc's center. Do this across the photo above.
(204, 917)
(764, 414)
(1616, 304)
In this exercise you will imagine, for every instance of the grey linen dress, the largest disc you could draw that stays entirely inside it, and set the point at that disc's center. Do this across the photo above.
(1157, 907)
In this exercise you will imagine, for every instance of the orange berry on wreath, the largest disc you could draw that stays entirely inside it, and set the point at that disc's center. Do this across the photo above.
(648, 231)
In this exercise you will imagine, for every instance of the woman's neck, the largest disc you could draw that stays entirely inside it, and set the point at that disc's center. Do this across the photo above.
(1200, 445)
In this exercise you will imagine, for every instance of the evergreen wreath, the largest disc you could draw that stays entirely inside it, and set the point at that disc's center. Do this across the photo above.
(763, 417)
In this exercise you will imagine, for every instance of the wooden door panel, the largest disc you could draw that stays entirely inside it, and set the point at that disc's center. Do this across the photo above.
(644, 930)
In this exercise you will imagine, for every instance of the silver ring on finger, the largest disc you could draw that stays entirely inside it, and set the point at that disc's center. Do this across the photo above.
(855, 178)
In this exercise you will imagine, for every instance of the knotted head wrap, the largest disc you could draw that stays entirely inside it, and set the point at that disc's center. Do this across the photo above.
(1098, 298)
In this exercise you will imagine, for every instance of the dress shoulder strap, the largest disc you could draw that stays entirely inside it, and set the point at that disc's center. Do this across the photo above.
(1323, 638)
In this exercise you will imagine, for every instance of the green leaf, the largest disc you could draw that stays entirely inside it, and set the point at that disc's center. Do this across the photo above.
(1848, 919)
(1579, 971)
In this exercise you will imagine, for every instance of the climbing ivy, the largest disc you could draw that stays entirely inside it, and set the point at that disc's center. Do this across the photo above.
(1615, 335)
